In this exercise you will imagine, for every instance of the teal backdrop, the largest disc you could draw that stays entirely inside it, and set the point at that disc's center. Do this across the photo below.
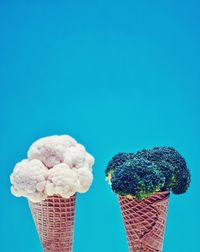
(118, 76)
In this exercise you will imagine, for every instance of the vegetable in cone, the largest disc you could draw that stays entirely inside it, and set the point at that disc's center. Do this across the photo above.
(56, 169)
(143, 182)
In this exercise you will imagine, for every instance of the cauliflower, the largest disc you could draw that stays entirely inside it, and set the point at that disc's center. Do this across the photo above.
(29, 180)
(56, 165)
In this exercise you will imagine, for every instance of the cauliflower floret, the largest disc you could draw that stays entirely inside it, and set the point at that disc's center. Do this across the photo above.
(85, 179)
(29, 180)
(75, 156)
(89, 160)
(62, 180)
(51, 150)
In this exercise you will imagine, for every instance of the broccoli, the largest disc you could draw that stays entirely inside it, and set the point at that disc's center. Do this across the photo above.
(148, 171)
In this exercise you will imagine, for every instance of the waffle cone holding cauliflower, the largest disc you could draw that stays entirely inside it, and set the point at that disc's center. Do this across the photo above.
(54, 219)
(56, 169)
(143, 182)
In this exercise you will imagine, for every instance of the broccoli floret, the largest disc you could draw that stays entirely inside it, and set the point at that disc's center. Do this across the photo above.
(137, 179)
(172, 165)
(148, 171)
(116, 161)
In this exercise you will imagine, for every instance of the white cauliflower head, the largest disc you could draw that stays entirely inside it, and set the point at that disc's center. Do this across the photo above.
(56, 165)
(29, 180)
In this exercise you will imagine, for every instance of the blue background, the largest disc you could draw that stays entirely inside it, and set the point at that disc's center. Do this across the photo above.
(117, 76)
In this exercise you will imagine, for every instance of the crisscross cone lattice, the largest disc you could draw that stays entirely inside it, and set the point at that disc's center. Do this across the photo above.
(54, 219)
(145, 222)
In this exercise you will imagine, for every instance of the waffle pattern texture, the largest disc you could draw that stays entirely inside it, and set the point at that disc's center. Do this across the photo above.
(54, 219)
(145, 222)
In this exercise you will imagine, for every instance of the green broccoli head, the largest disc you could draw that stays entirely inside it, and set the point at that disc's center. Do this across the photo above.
(148, 171)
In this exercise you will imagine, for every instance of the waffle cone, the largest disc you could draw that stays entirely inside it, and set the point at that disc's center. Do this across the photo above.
(54, 220)
(145, 222)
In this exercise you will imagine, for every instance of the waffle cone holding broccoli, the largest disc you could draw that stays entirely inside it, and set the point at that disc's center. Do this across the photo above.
(56, 169)
(143, 182)
(145, 221)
